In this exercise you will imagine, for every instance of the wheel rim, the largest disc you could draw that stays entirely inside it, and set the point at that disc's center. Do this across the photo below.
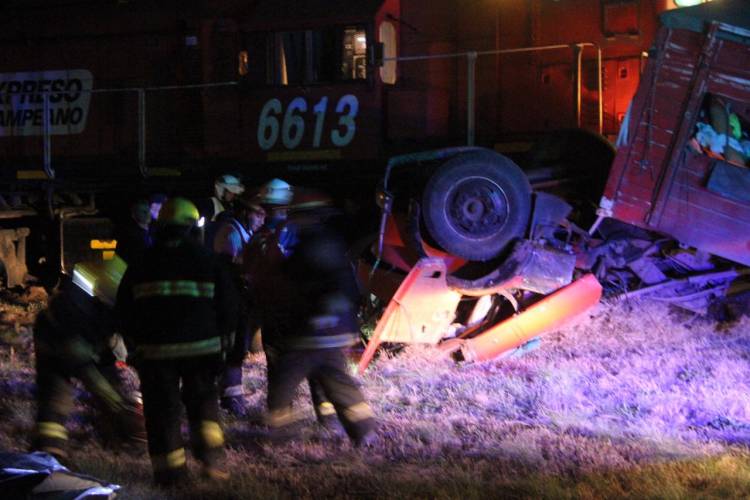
(477, 207)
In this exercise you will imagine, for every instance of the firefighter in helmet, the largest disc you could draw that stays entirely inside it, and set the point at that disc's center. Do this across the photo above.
(309, 317)
(179, 309)
(276, 194)
(73, 338)
(261, 263)
(234, 231)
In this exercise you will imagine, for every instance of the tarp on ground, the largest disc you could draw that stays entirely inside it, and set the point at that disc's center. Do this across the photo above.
(39, 475)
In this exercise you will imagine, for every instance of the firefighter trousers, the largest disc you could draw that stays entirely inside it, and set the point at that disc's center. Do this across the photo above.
(328, 368)
(321, 404)
(230, 381)
(54, 374)
(166, 384)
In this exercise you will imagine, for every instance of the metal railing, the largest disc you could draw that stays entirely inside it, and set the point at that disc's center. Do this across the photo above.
(471, 57)
(471, 70)
(140, 92)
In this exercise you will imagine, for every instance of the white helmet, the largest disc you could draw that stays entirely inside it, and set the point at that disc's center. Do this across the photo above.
(276, 192)
(228, 183)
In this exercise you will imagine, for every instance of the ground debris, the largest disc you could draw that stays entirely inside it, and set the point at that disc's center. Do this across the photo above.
(623, 389)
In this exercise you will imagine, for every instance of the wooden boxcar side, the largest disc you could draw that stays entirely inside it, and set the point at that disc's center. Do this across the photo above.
(660, 179)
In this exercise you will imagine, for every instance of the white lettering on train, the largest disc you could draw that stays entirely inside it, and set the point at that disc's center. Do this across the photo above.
(22, 102)
(292, 126)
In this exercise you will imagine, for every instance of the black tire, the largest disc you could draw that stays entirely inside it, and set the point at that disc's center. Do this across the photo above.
(475, 204)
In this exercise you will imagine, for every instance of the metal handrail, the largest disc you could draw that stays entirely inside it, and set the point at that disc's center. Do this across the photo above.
(140, 91)
(471, 60)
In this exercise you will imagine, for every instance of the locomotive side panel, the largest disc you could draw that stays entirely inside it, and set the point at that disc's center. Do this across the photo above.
(95, 131)
(311, 100)
(422, 105)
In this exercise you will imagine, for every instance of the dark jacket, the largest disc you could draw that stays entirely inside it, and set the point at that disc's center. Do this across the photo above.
(306, 291)
(132, 241)
(179, 294)
(75, 323)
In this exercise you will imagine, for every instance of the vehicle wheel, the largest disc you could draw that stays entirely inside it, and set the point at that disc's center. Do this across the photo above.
(475, 204)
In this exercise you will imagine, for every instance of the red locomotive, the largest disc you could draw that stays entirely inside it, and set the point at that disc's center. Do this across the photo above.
(152, 89)
(100, 96)
(103, 99)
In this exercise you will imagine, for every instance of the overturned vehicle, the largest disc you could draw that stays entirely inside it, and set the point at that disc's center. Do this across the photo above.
(472, 255)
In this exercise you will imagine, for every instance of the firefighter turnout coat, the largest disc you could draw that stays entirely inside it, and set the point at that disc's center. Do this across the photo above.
(310, 319)
(178, 307)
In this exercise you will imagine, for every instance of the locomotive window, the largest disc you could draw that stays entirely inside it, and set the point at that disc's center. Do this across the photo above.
(253, 60)
(317, 56)
(242, 61)
(354, 56)
(620, 17)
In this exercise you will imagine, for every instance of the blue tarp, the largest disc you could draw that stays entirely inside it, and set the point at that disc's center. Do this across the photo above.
(39, 475)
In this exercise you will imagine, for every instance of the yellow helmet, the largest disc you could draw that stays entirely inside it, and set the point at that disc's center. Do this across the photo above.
(178, 212)
(100, 278)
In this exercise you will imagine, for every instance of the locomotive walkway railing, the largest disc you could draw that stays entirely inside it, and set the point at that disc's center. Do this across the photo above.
(142, 122)
(49, 110)
(471, 65)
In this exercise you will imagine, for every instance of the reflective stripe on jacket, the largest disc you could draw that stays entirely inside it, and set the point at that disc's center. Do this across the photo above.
(179, 350)
(174, 288)
(322, 341)
(179, 297)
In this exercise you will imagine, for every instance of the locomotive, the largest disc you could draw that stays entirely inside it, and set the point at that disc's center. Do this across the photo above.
(101, 100)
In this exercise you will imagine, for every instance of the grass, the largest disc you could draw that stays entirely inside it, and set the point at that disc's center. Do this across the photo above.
(632, 401)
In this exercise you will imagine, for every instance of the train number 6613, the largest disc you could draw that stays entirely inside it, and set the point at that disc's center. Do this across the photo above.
(292, 127)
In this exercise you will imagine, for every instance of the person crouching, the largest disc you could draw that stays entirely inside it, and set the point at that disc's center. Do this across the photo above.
(73, 340)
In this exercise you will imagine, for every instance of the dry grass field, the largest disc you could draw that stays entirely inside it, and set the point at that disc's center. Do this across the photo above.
(634, 400)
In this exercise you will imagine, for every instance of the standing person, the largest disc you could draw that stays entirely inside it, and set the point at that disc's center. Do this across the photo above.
(178, 307)
(314, 305)
(234, 230)
(133, 236)
(226, 189)
(261, 265)
(72, 340)
(276, 194)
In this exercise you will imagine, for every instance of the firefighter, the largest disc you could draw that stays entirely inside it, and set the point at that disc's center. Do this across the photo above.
(262, 261)
(313, 306)
(276, 194)
(73, 339)
(179, 307)
(235, 229)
